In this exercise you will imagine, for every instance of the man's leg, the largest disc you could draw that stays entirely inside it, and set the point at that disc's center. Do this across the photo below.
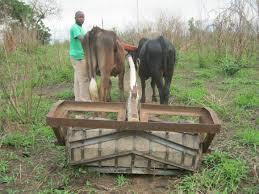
(76, 83)
(83, 80)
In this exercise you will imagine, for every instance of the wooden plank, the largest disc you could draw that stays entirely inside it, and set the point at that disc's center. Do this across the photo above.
(124, 125)
(121, 154)
(133, 100)
(130, 161)
(170, 172)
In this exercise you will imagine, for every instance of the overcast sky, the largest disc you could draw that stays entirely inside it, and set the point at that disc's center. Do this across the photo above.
(123, 13)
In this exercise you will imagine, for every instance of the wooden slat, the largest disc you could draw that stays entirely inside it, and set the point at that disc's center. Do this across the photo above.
(124, 125)
(121, 154)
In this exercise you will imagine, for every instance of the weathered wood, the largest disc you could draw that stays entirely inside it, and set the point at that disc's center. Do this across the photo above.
(151, 145)
(133, 150)
(133, 99)
(141, 126)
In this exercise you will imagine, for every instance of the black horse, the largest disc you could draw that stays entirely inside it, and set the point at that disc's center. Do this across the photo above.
(156, 59)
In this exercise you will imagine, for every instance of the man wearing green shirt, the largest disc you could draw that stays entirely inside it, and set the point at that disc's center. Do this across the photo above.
(76, 52)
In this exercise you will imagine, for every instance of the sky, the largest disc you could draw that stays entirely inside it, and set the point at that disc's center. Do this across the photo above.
(123, 13)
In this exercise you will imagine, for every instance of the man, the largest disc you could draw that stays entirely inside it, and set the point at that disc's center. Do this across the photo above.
(76, 52)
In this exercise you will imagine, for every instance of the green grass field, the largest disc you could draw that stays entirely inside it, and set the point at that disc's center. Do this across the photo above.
(30, 162)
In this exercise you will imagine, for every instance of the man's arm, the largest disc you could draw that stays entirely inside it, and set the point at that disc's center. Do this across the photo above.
(80, 37)
(76, 34)
(83, 40)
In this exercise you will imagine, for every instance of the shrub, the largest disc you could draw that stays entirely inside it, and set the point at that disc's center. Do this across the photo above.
(230, 66)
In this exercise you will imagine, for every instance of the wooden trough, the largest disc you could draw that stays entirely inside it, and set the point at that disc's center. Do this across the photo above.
(133, 138)
(148, 146)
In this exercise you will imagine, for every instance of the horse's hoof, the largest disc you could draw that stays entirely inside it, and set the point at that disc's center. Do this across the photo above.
(122, 99)
(142, 100)
(154, 99)
(108, 100)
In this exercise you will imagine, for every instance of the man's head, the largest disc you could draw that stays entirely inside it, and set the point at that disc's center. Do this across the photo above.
(79, 17)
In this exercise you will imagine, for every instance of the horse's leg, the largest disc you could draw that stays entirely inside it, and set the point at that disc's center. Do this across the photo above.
(121, 86)
(166, 89)
(105, 82)
(159, 83)
(143, 86)
(153, 85)
(109, 99)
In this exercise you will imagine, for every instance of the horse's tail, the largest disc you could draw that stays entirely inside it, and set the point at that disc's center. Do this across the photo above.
(93, 89)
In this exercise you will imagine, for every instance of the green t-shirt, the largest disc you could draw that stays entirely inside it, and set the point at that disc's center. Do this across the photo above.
(76, 51)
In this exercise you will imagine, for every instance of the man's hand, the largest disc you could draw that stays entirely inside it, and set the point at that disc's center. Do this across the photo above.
(81, 38)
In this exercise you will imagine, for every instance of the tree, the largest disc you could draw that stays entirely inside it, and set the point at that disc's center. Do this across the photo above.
(28, 15)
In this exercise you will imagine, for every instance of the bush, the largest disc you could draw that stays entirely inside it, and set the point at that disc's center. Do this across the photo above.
(230, 66)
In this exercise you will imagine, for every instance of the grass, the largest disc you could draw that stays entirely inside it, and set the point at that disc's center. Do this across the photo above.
(112, 115)
(191, 96)
(28, 112)
(248, 136)
(53, 191)
(206, 74)
(5, 178)
(8, 155)
(247, 99)
(121, 180)
(3, 167)
(90, 188)
(195, 83)
(29, 138)
(65, 95)
(229, 66)
(221, 174)
(19, 139)
(179, 119)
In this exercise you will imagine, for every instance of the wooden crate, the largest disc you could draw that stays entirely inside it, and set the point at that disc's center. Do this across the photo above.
(147, 146)
(134, 152)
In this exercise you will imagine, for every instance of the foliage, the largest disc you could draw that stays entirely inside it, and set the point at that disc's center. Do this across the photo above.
(248, 99)
(7, 179)
(194, 95)
(27, 139)
(248, 136)
(3, 167)
(28, 16)
(230, 66)
(121, 180)
(19, 139)
(8, 155)
(4, 170)
(221, 174)
(90, 188)
(53, 191)
(27, 113)
(65, 95)
(197, 83)
(16, 10)
(20, 101)
(49, 65)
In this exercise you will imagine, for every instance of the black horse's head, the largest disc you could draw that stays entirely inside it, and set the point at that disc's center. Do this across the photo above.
(136, 54)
